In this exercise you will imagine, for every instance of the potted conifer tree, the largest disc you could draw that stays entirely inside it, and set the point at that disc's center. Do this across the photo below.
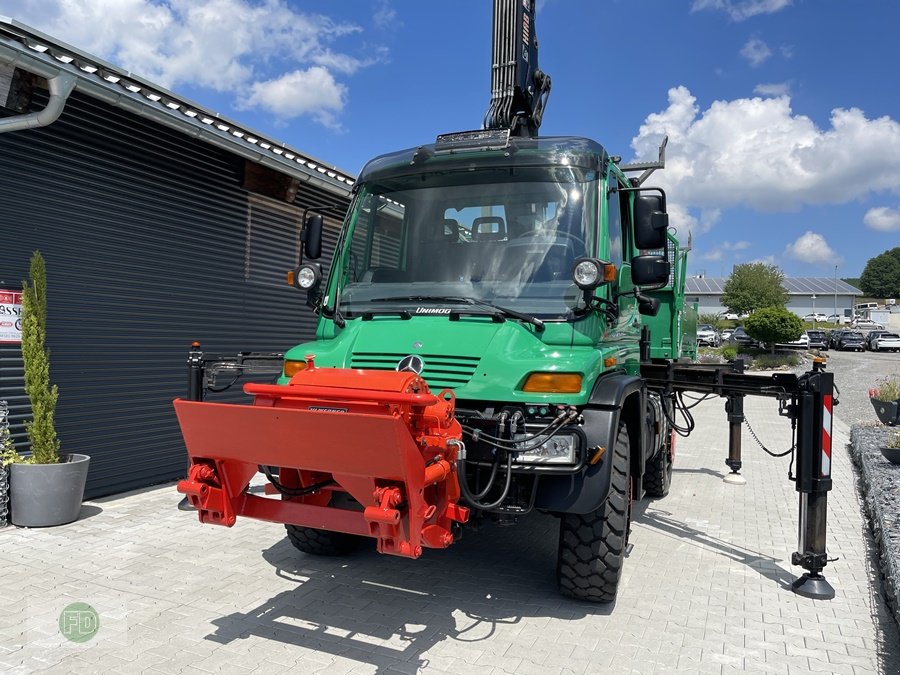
(885, 399)
(45, 488)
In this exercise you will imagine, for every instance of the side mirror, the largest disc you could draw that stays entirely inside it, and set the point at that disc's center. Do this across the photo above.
(647, 306)
(651, 222)
(650, 270)
(312, 236)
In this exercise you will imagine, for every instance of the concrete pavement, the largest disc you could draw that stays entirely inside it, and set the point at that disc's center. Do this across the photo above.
(705, 588)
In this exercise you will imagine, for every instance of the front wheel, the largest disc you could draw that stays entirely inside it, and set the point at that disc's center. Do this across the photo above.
(592, 545)
(321, 542)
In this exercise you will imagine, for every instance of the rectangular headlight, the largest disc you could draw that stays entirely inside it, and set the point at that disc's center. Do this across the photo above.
(561, 449)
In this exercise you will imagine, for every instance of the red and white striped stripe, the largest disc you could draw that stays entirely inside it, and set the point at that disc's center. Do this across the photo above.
(825, 470)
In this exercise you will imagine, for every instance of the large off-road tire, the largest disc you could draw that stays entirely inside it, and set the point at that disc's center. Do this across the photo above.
(658, 471)
(592, 545)
(321, 542)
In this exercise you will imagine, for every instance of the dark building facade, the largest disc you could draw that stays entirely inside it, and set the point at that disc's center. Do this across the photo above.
(161, 223)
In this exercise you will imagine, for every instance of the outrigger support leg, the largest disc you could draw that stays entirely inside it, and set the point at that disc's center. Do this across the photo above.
(814, 408)
(812, 400)
(734, 407)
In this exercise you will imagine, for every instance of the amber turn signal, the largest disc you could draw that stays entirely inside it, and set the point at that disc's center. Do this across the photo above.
(553, 383)
(291, 368)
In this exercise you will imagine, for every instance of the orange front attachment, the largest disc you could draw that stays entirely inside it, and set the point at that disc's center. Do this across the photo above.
(380, 437)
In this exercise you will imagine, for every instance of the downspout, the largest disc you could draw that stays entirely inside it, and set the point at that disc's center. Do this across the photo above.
(60, 86)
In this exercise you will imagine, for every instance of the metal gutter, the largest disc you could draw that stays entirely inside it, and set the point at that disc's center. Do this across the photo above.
(47, 57)
(60, 85)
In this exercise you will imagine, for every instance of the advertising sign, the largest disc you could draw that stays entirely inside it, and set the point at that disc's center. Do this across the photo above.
(10, 316)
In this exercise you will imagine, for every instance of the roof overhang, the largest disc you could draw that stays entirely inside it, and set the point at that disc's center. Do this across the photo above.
(33, 51)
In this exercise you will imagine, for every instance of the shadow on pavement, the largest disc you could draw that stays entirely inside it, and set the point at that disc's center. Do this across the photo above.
(764, 565)
(704, 470)
(89, 511)
(389, 611)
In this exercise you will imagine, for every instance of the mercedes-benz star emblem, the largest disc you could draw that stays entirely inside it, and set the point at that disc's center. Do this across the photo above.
(411, 364)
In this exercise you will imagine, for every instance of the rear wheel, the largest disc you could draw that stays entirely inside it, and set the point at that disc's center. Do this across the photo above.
(658, 473)
(321, 542)
(592, 545)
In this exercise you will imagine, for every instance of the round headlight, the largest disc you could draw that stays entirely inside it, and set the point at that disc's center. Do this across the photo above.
(587, 273)
(306, 277)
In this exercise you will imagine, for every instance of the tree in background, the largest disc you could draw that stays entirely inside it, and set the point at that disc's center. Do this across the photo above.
(773, 324)
(881, 277)
(753, 286)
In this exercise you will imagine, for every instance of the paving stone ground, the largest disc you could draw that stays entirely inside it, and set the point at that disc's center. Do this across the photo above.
(705, 588)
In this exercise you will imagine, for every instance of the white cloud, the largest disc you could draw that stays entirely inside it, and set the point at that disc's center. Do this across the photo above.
(811, 247)
(313, 91)
(685, 222)
(756, 51)
(232, 46)
(765, 260)
(719, 252)
(883, 218)
(739, 10)
(756, 152)
(385, 16)
(773, 89)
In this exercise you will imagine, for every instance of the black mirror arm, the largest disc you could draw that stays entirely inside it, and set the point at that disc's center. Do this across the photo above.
(610, 308)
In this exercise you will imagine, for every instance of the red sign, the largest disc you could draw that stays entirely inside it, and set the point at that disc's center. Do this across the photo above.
(10, 316)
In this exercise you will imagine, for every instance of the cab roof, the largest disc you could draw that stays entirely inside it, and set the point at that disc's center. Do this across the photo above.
(488, 151)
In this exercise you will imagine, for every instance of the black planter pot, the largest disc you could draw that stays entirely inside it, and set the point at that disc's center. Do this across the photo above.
(891, 454)
(42, 495)
(888, 411)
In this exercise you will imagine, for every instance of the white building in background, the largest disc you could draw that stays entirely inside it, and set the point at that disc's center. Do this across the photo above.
(806, 295)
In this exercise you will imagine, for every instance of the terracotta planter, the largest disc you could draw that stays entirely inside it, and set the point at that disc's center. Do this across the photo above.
(42, 495)
(888, 411)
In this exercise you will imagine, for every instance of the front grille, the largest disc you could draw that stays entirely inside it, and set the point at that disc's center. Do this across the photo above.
(441, 372)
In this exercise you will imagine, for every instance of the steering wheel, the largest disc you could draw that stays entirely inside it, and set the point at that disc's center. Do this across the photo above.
(552, 236)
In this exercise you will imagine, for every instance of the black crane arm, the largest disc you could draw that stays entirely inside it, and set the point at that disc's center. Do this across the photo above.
(519, 88)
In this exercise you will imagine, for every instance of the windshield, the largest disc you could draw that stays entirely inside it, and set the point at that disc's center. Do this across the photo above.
(506, 236)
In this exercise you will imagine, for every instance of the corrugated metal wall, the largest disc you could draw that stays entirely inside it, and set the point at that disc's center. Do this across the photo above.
(150, 243)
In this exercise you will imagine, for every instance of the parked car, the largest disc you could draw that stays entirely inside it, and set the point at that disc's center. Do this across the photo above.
(818, 316)
(708, 335)
(865, 324)
(742, 338)
(800, 343)
(887, 342)
(870, 338)
(726, 334)
(835, 337)
(836, 318)
(851, 340)
(818, 339)
(728, 315)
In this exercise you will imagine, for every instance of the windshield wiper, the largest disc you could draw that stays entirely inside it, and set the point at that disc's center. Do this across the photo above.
(503, 311)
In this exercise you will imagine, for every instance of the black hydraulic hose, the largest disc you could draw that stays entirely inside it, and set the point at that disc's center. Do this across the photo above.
(294, 492)
(490, 483)
(464, 486)
(679, 405)
(511, 446)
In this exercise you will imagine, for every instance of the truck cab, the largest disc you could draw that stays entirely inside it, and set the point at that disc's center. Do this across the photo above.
(526, 276)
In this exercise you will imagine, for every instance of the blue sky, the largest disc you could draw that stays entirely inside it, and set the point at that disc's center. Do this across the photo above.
(783, 115)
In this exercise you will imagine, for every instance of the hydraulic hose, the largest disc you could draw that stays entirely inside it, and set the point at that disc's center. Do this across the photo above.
(473, 500)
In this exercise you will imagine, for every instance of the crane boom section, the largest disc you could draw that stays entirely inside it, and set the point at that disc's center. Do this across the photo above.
(519, 88)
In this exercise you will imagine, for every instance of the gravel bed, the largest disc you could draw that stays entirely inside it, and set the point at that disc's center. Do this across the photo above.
(881, 491)
(854, 375)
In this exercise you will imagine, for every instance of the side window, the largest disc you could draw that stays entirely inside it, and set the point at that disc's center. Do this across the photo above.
(614, 222)
(376, 238)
